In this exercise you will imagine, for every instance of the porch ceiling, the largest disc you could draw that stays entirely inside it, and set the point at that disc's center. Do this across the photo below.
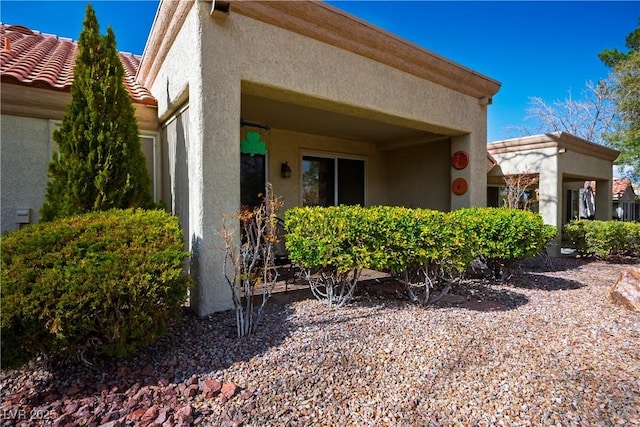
(299, 118)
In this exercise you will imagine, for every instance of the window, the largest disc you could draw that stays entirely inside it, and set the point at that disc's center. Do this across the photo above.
(150, 151)
(147, 144)
(252, 179)
(328, 181)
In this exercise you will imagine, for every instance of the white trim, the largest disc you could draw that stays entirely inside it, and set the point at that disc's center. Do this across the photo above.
(173, 116)
(155, 136)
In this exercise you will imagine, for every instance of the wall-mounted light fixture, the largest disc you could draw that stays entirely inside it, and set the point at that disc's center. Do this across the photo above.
(219, 8)
(562, 150)
(285, 170)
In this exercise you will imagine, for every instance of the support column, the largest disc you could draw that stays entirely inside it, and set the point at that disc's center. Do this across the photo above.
(550, 203)
(215, 113)
(475, 174)
(604, 199)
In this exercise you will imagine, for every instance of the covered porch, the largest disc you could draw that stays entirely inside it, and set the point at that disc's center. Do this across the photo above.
(329, 109)
(561, 164)
(325, 153)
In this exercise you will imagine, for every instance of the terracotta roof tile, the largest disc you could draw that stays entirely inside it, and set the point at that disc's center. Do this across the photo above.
(43, 60)
(620, 185)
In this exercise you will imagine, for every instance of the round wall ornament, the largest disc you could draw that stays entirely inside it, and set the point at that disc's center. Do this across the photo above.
(459, 186)
(460, 159)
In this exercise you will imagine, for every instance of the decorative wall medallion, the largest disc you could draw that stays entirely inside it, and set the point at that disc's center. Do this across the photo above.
(460, 159)
(459, 186)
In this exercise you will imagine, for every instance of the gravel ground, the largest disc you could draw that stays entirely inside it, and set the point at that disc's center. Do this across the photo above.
(544, 348)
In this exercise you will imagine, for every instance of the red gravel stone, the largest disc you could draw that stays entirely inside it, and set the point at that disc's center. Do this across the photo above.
(228, 390)
(211, 387)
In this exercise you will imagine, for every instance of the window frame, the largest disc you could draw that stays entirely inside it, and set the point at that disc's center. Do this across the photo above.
(335, 156)
(154, 135)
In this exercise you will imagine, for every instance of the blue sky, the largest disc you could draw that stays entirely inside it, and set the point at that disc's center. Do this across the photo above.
(543, 48)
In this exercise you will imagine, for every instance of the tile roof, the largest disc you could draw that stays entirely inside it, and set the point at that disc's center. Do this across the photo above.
(620, 186)
(46, 61)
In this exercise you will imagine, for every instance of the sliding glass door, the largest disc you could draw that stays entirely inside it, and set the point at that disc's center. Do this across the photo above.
(329, 181)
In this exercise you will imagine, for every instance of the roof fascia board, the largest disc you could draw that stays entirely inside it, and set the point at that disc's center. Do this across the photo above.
(579, 145)
(555, 139)
(330, 25)
(41, 103)
(45, 103)
(167, 23)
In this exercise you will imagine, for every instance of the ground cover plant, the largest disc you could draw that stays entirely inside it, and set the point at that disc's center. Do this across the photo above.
(106, 281)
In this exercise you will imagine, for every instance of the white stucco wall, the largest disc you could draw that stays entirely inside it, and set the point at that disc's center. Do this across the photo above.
(26, 152)
(212, 61)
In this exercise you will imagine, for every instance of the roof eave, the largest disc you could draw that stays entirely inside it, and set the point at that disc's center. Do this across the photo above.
(329, 25)
(553, 139)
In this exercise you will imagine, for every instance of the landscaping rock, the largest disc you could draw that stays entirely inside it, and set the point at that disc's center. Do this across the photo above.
(552, 357)
(211, 387)
(626, 291)
(229, 389)
(184, 415)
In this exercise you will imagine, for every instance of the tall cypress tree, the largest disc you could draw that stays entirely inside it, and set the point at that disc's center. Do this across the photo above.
(99, 164)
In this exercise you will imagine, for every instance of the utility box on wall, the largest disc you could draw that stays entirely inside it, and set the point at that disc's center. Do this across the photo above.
(23, 216)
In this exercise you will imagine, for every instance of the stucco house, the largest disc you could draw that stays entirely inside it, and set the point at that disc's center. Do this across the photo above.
(625, 204)
(326, 107)
(36, 76)
(561, 163)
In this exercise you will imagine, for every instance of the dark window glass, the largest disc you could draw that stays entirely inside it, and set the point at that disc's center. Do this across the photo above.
(252, 179)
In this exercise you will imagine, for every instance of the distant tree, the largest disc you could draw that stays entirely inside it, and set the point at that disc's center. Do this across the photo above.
(517, 189)
(99, 164)
(590, 117)
(625, 136)
(612, 57)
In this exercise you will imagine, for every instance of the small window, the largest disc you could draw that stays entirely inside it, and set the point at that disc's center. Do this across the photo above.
(147, 144)
(252, 179)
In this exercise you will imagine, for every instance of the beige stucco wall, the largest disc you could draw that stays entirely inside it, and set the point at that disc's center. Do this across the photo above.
(273, 62)
(418, 177)
(213, 60)
(25, 155)
(285, 146)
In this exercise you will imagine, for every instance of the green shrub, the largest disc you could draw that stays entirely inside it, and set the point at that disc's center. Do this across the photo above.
(422, 247)
(111, 279)
(504, 235)
(320, 237)
(604, 238)
(328, 244)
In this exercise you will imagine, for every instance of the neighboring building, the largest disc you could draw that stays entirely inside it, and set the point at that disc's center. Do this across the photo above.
(36, 75)
(560, 163)
(625, 204)
(328, 108)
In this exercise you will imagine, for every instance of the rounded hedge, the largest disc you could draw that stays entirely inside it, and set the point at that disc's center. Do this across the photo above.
(109, 280)
(397, 239)
(604, 238)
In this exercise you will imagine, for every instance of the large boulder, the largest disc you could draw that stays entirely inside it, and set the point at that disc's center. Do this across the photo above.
(626, 290)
